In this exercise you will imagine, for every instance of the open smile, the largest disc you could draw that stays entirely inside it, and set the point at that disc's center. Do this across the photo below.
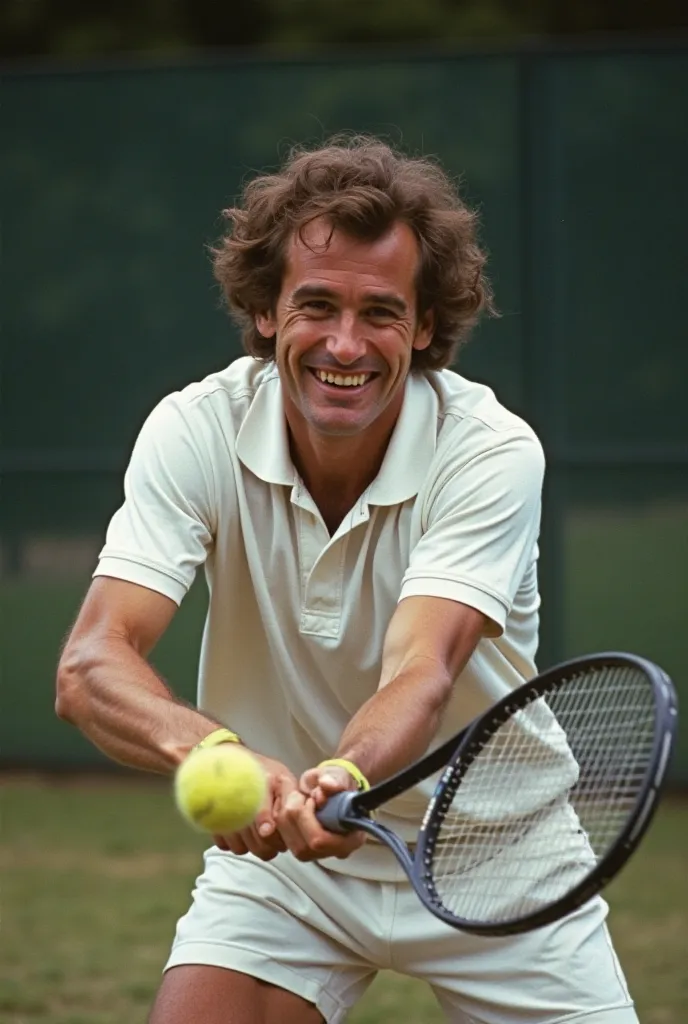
(341, 381)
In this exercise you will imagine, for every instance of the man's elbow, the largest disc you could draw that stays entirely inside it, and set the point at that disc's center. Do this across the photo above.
(70, 686)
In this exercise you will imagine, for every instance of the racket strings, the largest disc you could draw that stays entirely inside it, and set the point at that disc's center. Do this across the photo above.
(546, 797)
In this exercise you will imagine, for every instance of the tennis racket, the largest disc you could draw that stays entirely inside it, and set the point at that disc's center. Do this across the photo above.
(541, 800)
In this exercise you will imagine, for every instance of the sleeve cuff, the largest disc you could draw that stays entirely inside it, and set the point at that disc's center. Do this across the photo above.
(452, 590)
(144, 575)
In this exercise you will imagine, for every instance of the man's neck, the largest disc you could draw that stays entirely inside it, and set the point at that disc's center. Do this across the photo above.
(336, 470)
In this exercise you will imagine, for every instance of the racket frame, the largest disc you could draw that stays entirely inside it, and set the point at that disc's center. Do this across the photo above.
(352, 810)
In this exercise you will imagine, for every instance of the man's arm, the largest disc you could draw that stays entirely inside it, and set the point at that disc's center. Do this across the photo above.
(107, 688)
(428, 643)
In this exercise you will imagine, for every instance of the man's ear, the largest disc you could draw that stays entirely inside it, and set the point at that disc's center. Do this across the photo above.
(266, 324)
(424, 331)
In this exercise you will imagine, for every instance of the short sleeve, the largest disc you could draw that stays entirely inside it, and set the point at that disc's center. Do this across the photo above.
(481, 529)
(165, 528)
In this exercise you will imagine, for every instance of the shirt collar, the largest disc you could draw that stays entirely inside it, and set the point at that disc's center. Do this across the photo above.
(263, 441)
(411, 446)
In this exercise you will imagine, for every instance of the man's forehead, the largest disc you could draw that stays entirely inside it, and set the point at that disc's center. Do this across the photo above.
(319, 243)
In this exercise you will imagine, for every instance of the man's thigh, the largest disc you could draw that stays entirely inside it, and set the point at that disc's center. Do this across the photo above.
(549, 975)
(293, 930)
(197, 994)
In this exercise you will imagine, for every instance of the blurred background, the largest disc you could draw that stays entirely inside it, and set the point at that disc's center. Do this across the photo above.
(126, 127)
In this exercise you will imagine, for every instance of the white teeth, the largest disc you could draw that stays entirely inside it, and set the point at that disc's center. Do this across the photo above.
(343, 382)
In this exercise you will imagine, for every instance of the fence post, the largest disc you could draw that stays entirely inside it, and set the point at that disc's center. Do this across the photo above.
(542, 370)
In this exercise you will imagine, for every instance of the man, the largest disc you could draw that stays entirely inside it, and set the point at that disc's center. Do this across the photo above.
(368, 523)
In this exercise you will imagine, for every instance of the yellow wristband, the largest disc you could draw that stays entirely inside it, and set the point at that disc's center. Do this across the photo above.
(350, 767)
(216, 737)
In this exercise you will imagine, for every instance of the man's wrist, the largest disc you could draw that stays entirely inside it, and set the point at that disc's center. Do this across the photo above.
(175, 752)
(217, 736)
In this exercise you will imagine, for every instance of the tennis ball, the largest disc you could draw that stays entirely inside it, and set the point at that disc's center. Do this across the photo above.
(220, 789)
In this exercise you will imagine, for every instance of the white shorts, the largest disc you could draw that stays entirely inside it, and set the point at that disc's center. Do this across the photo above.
(324, 935)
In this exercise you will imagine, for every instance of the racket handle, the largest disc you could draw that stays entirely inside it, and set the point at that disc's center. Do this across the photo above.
(335, 812)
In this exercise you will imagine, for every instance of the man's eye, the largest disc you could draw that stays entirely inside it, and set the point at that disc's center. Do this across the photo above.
(381, 313)
(317, 305)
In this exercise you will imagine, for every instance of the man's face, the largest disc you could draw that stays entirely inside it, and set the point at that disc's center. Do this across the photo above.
(346, 326)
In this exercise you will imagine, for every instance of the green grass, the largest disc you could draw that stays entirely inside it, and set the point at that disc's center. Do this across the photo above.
(95, 873)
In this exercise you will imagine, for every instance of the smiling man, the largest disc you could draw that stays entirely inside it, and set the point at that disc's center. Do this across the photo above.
(345, 327)
(368, 523)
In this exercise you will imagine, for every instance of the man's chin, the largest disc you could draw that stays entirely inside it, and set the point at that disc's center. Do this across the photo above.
(338, 427)
(339, 423)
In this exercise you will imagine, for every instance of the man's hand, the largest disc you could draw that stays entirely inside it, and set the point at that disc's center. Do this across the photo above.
(303, 834)
(263, 838)
(288, 822)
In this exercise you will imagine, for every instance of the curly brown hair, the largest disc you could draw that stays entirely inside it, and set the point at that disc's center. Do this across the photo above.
(362, 186)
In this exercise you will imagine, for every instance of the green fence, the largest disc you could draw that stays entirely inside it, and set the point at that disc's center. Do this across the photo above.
(112, 182)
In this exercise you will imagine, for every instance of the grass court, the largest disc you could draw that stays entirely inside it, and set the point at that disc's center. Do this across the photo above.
(96, 870)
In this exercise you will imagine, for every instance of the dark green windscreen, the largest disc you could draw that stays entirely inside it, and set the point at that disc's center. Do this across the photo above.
(112, 184)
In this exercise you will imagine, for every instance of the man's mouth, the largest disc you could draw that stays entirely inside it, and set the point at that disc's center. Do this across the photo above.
(342, 380)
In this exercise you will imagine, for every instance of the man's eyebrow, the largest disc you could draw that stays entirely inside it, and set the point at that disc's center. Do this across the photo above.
(313, 291)
(320, 291)
(387, 299)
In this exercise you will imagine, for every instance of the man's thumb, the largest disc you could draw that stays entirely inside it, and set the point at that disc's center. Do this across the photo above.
(335, 780)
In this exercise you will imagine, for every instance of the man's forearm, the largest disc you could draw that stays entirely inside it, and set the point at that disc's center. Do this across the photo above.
(396, 726)
(115, 698)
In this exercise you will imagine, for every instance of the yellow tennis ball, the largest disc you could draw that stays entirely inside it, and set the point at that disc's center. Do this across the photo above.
(220, 789)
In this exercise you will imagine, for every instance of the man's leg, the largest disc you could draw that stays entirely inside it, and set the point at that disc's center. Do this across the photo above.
(555, 973)
(197, 994)
(270, 943)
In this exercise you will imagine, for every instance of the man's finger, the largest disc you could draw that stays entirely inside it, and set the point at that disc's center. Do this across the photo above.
(264, 823)
(235, 844)
(264, 849)
(309, 780)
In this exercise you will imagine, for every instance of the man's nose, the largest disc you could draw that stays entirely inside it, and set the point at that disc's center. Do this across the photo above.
(345, 343)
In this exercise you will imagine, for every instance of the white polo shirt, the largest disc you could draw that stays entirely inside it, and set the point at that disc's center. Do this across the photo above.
(296, 620)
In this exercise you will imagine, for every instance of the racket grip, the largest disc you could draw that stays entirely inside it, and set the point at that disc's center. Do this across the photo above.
(333, 814)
